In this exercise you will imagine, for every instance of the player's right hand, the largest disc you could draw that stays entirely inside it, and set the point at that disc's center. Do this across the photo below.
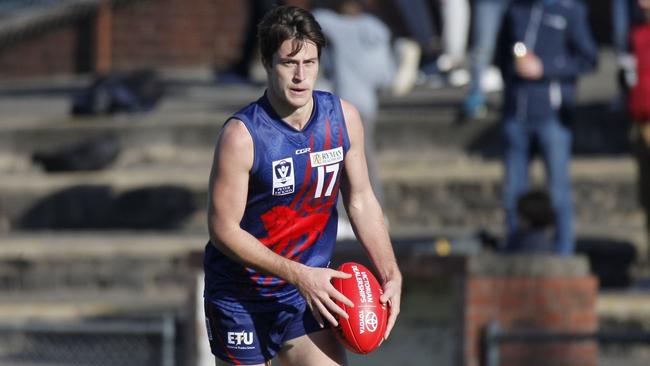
(529, 67)
(316, 288)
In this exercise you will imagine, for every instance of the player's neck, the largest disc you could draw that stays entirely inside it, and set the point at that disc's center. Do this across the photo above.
(294, 117)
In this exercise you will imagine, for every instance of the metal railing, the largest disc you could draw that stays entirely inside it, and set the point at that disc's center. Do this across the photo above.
(125, 342)
(493, 336)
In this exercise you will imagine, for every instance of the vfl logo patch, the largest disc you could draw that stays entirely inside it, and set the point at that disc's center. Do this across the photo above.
(326, 157)
(283, 177)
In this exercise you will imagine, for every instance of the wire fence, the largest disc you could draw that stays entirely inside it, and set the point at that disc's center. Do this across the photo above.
(124, 342)
(494, 336)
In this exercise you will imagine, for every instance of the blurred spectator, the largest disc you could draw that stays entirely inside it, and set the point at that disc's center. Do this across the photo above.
(486, 22)
(240, 71)
(535, 224)
(624, 14)
(639, 106)
(362, 63)
(546, 44)
(418, 18)
(455, 27)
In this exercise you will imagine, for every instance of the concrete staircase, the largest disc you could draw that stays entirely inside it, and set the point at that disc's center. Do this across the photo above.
(438, 174)
(441, 179)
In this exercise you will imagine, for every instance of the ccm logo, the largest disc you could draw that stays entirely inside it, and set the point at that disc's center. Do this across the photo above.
(303, 151)
(237, 338)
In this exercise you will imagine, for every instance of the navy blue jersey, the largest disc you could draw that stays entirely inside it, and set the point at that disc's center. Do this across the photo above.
(291, 204)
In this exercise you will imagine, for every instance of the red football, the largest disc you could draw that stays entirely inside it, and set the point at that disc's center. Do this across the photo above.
(364, 330)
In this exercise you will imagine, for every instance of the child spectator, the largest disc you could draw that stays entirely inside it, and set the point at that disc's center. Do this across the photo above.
(535, 224)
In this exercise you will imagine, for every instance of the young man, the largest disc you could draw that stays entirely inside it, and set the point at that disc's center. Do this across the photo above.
(272, 214)
(545, 46)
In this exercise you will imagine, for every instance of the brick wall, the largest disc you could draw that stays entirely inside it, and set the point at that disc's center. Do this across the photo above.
(44, 54)
(552, 303)
(161, 33)
(152, 33)
(177, 33)
(147, 33)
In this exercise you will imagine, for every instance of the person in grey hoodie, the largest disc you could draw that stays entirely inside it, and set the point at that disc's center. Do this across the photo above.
(361, 63)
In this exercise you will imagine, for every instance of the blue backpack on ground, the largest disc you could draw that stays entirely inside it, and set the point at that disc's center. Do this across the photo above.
(137, 91)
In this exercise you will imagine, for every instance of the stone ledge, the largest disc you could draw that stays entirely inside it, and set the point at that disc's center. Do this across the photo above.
(625, 307)
(65, 305)
(99, 244)
(417, 258)
(536, 266)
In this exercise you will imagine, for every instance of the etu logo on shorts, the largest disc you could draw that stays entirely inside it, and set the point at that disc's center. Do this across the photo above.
(238, 339)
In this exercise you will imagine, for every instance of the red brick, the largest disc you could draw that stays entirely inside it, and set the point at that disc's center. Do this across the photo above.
(39, 55)
(533, 303)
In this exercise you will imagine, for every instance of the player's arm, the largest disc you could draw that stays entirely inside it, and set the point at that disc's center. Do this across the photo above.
(228, 190)
(366, 216)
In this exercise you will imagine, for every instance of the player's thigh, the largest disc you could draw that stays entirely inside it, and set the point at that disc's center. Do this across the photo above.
(320, 348)
(219, 362)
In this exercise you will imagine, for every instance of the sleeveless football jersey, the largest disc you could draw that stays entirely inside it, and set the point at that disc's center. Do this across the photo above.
(291, 204)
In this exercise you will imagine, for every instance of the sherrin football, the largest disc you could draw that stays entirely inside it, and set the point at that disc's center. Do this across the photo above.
(364, 329)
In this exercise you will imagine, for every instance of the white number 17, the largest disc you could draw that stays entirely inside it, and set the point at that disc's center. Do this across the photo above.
(334, 168)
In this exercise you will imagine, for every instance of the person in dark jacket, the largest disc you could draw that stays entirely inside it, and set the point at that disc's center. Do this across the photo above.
(545, 45)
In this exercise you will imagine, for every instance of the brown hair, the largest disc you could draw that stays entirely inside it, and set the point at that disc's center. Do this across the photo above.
(535, 209)
(287, 22)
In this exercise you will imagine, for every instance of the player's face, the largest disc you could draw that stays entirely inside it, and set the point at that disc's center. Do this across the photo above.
(291, 78)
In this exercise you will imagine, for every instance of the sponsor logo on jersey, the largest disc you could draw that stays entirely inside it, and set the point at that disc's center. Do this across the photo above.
(326, 157)
(283, 177)
(303, 151)
(240, 340)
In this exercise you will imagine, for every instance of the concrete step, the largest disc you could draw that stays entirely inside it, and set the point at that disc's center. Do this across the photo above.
(71, 305)
(71, 262)
(186, 122)
(456, 193)
(36, 117)
(69, 275)
(423, 122)
(422, 194)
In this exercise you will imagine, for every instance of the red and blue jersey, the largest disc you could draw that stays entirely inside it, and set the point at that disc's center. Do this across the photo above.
(291, 204)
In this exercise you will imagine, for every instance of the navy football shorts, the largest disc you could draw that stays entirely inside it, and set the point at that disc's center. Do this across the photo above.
(247, 338)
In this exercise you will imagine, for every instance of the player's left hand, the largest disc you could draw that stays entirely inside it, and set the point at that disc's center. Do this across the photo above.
(392, 295)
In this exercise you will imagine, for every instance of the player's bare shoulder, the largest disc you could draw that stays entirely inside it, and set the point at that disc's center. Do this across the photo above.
(235, 143)
(352, 120)
(235, 135)
(350, 112)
